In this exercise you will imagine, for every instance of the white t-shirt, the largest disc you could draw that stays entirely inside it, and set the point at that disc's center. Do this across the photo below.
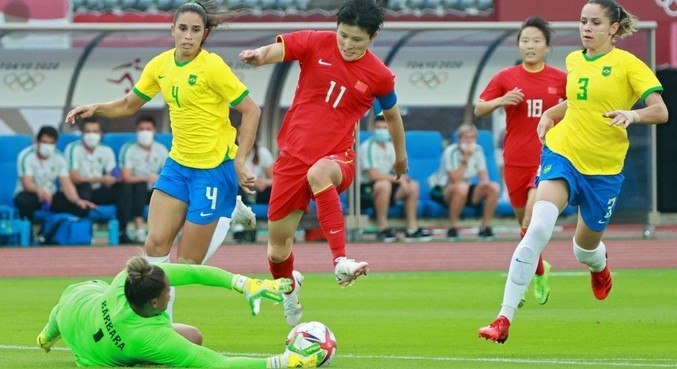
(141, 161)
(265, 161)
(375, 155)
(451, 160)
(45, 172)
(93, 164)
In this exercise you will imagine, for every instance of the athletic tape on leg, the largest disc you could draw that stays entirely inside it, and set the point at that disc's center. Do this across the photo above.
(219, 235)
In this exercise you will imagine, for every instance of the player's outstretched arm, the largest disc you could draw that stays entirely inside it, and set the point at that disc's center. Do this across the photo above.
(123, 107)
(268, 54)
(655, 113)
(253, 289)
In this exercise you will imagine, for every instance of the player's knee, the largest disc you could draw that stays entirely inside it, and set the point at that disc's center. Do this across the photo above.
(523, 265)
(382, 187)
(156, 246)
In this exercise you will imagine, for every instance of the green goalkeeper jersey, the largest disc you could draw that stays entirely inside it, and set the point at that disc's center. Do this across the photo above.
(101, 329)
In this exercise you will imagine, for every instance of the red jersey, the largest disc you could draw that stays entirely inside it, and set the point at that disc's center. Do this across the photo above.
(331, 96)
(542, 90)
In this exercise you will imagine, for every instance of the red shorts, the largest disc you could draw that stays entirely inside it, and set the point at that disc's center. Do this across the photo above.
(519, 180)
(291, 190)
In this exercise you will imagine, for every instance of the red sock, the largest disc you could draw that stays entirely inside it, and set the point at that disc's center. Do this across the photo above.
(331, 220)
(283, 269)
(540, 269)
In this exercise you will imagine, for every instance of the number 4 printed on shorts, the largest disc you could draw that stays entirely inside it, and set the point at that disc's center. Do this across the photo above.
(212, 193)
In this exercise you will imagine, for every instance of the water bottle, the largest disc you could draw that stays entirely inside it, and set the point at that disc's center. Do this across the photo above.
(113, 232)
(25, 234)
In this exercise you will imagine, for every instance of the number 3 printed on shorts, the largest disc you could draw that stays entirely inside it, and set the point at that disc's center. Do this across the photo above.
(212, 193)
(332, 84)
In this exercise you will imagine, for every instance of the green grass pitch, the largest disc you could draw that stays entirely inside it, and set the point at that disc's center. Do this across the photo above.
(406, 320)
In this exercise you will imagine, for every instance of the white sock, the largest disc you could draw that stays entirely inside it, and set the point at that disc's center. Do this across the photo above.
(172, 291)
(525, 258)
(219, 235)
(594, 259)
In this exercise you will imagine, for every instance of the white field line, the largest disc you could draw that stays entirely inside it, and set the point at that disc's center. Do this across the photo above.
(619, 362)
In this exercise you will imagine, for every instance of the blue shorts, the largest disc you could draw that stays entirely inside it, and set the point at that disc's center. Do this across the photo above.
(209, 193)
(595, 194)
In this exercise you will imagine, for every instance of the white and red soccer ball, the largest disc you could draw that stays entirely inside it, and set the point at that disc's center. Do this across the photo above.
(313, 333)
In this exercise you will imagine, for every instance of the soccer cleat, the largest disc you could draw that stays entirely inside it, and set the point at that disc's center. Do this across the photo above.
(243, 214)
(601, 282)
(44, 343)
(541, 286)
(347, 270)
(290, 302)
(496, 331)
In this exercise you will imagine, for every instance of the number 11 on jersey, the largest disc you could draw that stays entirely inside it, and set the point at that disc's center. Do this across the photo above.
(327, 99)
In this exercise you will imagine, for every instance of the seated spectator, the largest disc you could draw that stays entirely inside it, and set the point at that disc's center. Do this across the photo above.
(463, 179)
(141, 161)
(40, 166)
(380, 188)
(92, 170)
(260, 161)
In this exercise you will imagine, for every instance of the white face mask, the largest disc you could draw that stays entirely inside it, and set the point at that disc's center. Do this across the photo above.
(145, 138)
(46, 150)
(91, 139)
(467, 146)
(381, 135)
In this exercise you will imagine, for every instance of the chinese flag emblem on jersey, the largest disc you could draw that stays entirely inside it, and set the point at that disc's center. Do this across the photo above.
(552, 90)
(361, 86)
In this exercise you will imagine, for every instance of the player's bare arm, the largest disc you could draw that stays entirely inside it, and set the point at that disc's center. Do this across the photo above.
(268, 54)
(123, 107)
(396, 129)
(655, 113)
(246, 136)
(556, 113)
(513, 97)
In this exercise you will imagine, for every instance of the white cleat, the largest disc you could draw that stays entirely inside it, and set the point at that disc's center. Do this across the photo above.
(347, 271)
(243, 214)
(292, 308)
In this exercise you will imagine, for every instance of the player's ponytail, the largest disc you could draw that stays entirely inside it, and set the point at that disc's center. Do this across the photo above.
(144, 281)
(627, 24)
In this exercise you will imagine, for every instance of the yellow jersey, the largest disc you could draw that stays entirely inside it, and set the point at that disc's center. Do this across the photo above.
(597, 85)
(198, 93)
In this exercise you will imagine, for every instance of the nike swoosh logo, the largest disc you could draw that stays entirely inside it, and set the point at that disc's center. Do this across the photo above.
(160, 77)
(336, 231)
(203, 214)
(601, 221)
(521, 261)
(321, 62)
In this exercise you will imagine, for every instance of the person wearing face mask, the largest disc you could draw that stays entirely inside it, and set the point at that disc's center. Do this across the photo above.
(583, 155)
(380, 187)
(525, 91)
(340, 78)
(41, 168)
(140, 163)
(461, 179)
(92, 170)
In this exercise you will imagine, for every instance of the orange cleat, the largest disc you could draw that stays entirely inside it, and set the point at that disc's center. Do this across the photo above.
(601, 282)
(496, 331)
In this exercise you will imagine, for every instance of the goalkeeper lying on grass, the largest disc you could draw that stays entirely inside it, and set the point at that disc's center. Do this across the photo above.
(125, 323)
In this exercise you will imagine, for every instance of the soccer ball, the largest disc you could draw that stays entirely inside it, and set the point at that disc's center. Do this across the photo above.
(311, 333)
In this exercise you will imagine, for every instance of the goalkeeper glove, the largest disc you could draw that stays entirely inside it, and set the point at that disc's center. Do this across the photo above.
(256, 289)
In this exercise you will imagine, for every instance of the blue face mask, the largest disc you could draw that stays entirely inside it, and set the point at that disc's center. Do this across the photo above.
(381, 135)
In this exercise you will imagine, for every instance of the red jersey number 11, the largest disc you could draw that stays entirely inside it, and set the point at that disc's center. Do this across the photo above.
(332, 84)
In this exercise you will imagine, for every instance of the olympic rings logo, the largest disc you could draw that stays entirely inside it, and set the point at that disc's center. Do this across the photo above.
(23, 80)
(428, 78)
(667, 6)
